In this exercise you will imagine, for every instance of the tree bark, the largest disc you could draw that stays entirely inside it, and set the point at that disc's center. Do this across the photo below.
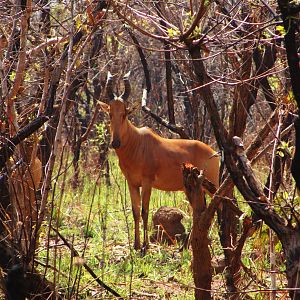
(289, 13)
(168, 66)
(21, 269)
(202, 269)
(171, 126)
(249, 187)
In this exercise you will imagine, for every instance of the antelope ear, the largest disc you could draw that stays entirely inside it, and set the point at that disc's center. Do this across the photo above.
(104, 106)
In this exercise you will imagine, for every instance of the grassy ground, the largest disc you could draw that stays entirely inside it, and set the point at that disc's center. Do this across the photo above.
(97, 220)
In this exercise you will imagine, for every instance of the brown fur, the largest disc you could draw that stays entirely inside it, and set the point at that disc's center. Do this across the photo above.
(150, 161)
(24, 182)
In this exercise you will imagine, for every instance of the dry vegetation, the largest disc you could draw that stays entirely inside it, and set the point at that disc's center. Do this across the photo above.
(211, 71)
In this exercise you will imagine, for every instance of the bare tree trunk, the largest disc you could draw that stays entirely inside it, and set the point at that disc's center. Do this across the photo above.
(291, 244)
(243, 100)
(169, 84)
(244, 179)
(19, 268)
(228, 238)
(202, 270)
(291, 27)
(91, 61)
(168, 67)
(181, 86)
(250, 190)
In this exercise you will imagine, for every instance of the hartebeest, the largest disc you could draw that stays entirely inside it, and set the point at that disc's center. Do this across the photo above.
(150, 161)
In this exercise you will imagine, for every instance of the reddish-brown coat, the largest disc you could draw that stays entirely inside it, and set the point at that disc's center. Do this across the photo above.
(150, 161)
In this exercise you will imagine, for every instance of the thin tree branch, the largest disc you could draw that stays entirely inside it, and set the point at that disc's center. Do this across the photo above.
(199, 15)
(174, 128)
(89, 270)
(291, 27)
(177, 129)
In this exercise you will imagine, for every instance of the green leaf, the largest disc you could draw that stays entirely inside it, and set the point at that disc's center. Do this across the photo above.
(12, 76)
(280, 30)
(280, 153)
(173, 32)
(78, 21)
(291, 98)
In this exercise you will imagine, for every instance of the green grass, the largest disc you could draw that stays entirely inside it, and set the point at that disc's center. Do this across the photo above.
(97, 220)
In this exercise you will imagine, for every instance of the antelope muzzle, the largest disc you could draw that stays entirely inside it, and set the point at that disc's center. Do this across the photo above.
(116, 143)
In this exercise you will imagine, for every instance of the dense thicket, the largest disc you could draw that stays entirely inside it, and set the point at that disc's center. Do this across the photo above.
(210, 70)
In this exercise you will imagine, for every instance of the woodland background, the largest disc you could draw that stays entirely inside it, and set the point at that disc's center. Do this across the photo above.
(206, 70)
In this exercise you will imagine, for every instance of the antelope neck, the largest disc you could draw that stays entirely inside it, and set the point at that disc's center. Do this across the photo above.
(130, 143)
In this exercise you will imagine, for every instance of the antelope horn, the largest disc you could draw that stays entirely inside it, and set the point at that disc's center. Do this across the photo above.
(127, 90)
(109, 87)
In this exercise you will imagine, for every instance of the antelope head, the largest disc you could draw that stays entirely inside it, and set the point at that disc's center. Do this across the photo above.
(117, 110)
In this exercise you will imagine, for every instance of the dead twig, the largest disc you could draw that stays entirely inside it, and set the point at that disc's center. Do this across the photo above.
(88, 269)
